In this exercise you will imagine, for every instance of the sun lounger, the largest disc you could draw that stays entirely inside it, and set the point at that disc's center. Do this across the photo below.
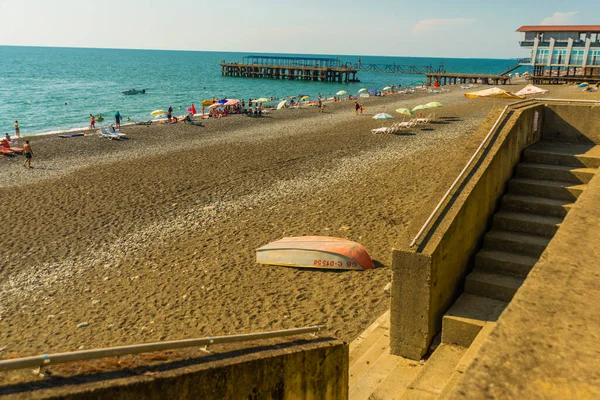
(387, 129)
(424, 120)
(112, 130)
(106, 134)
(408, 124)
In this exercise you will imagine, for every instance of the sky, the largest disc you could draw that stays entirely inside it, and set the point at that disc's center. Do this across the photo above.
(457, 28)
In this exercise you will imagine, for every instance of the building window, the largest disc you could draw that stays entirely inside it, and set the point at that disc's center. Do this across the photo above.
(594, 57)
(576, 57)
(559, 56)
(541, 57)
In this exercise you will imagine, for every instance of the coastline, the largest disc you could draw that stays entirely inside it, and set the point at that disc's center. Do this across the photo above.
(153, 238)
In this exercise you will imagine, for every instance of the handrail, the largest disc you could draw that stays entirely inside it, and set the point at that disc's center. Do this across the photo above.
(460, 175)
(59, 358)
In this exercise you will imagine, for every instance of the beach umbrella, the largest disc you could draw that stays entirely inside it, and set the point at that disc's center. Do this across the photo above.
(387, 88)
(157, 112)
(281, 104)
(207, 102)
(262, 100)
(216, 105)
(362, 90)
(222, 101)
(383, 116)
(404, 111)
(583, 84)
(193, 107)
(434, 104)
(304, 98)
(420, 107)
(341, 93)
(231, 102)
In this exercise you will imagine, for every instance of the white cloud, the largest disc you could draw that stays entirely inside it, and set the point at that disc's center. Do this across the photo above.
(428, 25)
(560, 18)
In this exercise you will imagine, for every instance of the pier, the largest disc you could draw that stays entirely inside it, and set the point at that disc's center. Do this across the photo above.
(455, 78)
(292, 68)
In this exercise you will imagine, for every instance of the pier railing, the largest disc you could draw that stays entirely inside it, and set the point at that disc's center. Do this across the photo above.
(46, 359)
(399, 69)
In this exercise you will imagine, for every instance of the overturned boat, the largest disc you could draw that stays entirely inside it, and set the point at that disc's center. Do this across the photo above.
(315, 252)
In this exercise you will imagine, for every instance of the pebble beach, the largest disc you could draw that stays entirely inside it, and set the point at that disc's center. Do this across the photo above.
(154, 237)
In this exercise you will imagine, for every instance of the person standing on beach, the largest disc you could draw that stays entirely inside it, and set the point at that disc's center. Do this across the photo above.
(92, 122)
(320, 104)
(28, 153)
(356, 107)
(17, 131)
(169, 114)
(118, 120)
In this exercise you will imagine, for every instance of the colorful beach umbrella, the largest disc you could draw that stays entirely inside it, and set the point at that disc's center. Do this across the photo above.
(420, 107)
(434, 104)
(583, 84)
(262, 100)
(362, 90)
(404, 111)
(157, 112)
(304, 98)
(231, 102)
(341, 93)
(387, 88)
(281, 104)
(383, 116)
(207, 102)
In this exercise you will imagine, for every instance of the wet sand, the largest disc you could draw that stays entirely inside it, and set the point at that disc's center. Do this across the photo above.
(154, 237)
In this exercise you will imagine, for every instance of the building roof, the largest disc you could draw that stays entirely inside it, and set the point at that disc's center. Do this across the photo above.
(559, 28)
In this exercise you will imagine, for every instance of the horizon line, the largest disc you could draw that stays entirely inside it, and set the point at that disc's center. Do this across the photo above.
(250, 52)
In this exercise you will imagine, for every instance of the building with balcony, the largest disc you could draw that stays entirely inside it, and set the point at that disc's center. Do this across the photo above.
(562, 53)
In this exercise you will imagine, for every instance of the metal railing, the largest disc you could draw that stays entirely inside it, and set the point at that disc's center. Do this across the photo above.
(483, 142)
(59, 358)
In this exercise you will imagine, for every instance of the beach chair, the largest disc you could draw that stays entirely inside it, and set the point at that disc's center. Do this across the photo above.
(106, 134)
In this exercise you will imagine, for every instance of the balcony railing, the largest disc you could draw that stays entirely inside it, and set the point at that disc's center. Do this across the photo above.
(526, 43)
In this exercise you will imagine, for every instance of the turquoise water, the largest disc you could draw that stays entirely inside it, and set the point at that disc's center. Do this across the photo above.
(50, 89)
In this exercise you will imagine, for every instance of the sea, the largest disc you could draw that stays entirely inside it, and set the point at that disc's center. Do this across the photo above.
(51, 89)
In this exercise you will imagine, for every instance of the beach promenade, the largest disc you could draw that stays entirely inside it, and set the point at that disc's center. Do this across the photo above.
(154, 238)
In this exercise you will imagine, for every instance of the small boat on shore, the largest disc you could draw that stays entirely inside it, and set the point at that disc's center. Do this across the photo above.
(133, 91)
(315, 252)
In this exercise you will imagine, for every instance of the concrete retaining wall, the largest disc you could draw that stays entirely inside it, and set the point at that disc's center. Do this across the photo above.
(574, 123)
(315, 369)
(427, 279)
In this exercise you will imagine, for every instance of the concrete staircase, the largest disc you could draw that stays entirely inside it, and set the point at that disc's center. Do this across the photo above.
(547, 182)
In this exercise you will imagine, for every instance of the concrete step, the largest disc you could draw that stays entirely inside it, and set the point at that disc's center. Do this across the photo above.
(545, 188)
(532, 224)
(536, 205)
(555, 173)
(380, 370)
(379, 328)
(469, 313)
(514, 242)
(502, 262)
(468, 358)
(436, 372)
(571, 155)
(394, 385)
(362, 364)
(495, 286)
